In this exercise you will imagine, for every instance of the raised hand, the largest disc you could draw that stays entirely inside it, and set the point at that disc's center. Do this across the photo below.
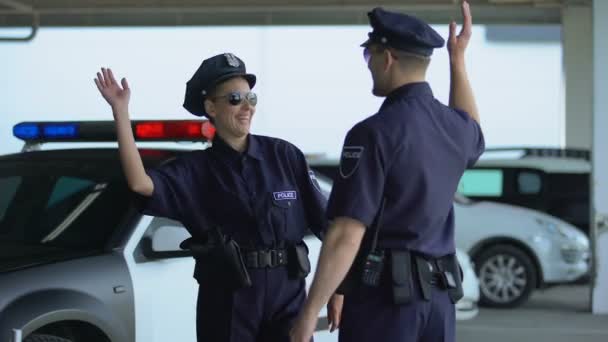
(117, 95)
(457, 44)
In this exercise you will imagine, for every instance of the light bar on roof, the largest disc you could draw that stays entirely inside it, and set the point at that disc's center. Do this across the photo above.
(100, 131)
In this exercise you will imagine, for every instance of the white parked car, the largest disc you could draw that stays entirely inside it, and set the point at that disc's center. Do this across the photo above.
(516, 250)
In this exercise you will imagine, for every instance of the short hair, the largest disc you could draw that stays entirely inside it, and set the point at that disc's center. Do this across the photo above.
(409, 60)
(404, 58)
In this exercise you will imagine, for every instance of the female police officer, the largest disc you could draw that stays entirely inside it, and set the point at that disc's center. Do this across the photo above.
(257, 190)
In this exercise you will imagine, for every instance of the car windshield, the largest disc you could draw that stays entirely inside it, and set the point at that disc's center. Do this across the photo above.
(55, 205)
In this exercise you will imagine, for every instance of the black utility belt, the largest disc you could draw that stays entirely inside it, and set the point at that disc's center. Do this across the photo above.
(223, 261)
(265, 258)
(404, 268)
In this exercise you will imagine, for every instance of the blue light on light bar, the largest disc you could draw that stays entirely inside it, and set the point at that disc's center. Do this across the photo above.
(26, 131)
(60, 131)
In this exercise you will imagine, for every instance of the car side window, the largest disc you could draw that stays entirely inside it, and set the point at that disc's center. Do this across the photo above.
(481, 183)
(529, 183)
(81, 213)
(9, 186)
(67, 187)
(55, 206)
(69, 199)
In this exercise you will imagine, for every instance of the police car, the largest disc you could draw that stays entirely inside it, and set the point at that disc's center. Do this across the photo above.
(515, 250)
(77, 260)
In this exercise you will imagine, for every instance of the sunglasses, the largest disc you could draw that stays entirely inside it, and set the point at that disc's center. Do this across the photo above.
(235, 98)
(367, 54)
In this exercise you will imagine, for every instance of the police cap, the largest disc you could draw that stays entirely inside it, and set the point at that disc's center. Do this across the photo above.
(402, 32)
(212, 72)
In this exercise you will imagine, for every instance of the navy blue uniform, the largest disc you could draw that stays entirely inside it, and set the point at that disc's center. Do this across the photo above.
(410, 157)
(413, 153)
(263, 198)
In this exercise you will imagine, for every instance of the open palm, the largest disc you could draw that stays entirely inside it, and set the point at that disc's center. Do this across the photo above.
(457, 44)
(117, 95)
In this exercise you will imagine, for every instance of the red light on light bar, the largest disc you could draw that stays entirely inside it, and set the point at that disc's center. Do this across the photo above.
(208, 130)
(179, 130)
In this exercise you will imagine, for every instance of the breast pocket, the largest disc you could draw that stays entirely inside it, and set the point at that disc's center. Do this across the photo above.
(281, 214)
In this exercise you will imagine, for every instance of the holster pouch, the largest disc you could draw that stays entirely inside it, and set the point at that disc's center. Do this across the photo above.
(236, 271)
(452, 274)
(401, 271)
(298, 264)
(219, 261)
(423, 272)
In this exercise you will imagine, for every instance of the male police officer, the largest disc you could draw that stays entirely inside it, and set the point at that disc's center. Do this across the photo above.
(247, 202)
(398, 174)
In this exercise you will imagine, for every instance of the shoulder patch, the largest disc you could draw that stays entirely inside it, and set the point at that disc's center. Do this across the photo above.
(313, 180)
(349, 161)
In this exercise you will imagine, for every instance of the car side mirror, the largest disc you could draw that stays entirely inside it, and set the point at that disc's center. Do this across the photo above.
(164, 243)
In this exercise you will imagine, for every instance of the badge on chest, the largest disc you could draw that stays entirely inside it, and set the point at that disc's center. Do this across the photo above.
(284, 195)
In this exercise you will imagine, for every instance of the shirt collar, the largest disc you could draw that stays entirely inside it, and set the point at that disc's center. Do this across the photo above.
(417, 89)
(221, 148)
(254, 149)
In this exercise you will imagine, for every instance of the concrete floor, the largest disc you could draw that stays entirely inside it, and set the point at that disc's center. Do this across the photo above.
(559, 314)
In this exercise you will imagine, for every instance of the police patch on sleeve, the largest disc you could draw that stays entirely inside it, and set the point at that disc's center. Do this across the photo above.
(313, 180)
(349, 162)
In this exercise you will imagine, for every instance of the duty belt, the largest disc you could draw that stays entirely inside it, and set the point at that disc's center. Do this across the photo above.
(265, 258)
(432, 274)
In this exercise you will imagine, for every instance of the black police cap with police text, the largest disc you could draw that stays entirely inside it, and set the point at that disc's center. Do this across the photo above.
(212, 72)
(402, 32)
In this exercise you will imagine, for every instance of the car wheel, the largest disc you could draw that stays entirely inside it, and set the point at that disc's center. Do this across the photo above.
(45, 338)
(506, 275)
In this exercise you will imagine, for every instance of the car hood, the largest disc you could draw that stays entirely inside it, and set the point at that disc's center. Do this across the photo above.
(15, 256)
(501, 212)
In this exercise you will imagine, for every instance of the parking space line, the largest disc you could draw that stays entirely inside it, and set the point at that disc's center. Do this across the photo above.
(549, 331)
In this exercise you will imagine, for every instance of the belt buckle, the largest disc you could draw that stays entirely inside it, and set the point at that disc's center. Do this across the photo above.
(263, 259)
(273, 258)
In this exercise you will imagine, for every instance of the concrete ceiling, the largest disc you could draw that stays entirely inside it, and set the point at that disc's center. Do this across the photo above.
(35, 13)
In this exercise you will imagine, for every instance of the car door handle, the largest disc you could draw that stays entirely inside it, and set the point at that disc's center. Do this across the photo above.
(119, 289)
(601, 222)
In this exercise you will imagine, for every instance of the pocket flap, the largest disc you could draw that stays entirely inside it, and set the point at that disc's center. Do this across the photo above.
(401, 264)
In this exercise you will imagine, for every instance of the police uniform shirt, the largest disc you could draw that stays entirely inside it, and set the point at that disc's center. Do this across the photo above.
(413, 152)
(261, 198)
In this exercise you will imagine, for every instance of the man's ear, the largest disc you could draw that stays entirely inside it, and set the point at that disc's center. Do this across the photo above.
(389, 59)
(209, 108)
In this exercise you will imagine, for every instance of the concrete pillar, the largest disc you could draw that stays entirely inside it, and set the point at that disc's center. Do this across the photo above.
(600, 155)
(578, 68)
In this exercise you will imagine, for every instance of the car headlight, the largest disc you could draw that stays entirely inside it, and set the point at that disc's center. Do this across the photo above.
(572, 254)
(553, 228)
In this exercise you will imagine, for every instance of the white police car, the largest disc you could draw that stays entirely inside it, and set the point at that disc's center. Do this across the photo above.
(79, 263)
